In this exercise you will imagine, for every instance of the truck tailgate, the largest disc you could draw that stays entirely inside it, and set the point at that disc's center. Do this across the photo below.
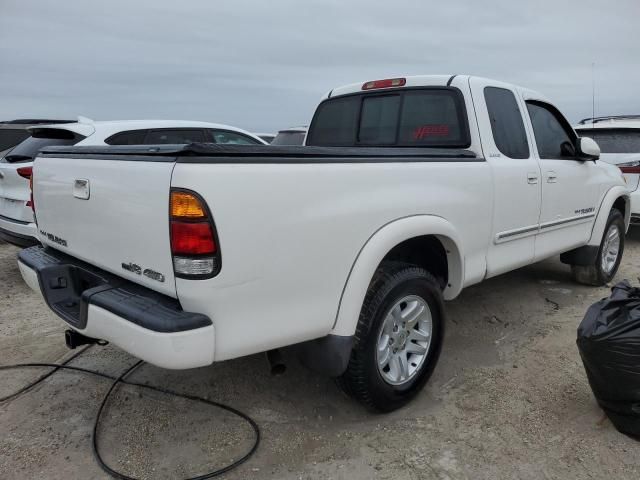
(113, 214)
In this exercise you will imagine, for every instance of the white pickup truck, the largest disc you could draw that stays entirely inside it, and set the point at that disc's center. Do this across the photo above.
(409, 190)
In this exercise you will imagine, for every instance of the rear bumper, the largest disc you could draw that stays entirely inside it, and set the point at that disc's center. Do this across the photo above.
(100, 305)
(18, 233)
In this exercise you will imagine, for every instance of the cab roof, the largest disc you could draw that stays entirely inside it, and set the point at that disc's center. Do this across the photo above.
(429, 81)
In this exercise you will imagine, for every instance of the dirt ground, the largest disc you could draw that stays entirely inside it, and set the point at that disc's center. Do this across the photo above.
(509, 399)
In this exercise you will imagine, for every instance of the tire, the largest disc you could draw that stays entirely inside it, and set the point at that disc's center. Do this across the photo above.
(405, 289)
(601, 272)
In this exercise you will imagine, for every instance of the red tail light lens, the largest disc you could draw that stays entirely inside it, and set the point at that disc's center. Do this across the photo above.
(634, 169)
(193, 236)
(25, 172)
(386, 83)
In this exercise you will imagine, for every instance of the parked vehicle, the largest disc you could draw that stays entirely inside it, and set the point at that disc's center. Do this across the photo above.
(12, 132)
(267, 137)
(619, 140)
(409, 190)
(16, 216)
(290, 136)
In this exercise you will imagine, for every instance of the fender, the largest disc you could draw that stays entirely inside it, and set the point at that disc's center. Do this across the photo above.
(603, 213)
(377, 247)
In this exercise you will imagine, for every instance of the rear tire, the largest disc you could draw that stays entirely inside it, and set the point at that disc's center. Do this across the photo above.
(398, 337)
(609, 254)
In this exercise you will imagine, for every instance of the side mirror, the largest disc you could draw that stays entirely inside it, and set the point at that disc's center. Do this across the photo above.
(588, 149)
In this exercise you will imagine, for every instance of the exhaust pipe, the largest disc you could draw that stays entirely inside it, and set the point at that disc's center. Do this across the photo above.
(74, 339)
(276, 362)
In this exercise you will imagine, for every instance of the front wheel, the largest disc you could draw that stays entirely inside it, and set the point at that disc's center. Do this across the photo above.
(398, 337)
(609, 254)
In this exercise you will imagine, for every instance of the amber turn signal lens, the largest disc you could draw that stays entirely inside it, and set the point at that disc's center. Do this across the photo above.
(186, 205)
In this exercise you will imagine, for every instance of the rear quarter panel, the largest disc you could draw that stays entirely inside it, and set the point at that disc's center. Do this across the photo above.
(290, 233)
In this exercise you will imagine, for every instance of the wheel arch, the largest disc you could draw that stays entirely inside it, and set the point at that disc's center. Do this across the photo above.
(618, 197)
(386, 240)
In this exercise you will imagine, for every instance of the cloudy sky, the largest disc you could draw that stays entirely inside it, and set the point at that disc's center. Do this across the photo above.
(263, 65)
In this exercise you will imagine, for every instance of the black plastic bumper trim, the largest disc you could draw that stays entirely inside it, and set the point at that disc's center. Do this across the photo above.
(17, 239)
(70, 285)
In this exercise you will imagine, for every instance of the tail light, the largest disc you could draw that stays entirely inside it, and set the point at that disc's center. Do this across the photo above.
(27, 172)
(386, 83)
(631, 167)
(194, 243)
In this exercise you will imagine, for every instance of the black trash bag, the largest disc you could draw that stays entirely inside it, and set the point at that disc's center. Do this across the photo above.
(609, 344)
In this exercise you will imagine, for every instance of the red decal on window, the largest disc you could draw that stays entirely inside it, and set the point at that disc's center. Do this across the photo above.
(431, 131)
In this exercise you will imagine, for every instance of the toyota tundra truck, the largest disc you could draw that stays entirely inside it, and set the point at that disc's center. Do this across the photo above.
(407, 191)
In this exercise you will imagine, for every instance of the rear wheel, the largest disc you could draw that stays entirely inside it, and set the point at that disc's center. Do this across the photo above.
(609, 254)
(398, 337)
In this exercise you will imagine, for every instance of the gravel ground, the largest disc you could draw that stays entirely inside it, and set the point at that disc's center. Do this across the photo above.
(509, 399)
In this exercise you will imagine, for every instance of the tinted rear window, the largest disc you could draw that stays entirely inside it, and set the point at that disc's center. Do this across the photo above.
(289, 138)
(10, 137)
(28, 149)
(130, 137)
(430, 117)
(165, 136)
(619, 140)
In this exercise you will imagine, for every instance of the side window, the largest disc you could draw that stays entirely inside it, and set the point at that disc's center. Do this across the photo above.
(131, 137)
(506, 122)
(224, 137)
(551, 131)
(168, 136)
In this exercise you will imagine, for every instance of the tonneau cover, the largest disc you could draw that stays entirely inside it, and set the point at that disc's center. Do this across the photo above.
(233, 151)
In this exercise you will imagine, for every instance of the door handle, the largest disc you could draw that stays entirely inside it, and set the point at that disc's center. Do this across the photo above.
(552, 177)
(532, 178)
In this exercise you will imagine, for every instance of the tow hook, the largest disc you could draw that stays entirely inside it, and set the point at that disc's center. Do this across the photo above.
(74, 339)
(276, 362)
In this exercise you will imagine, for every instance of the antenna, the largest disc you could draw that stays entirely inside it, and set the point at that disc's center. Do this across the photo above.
(593, 93)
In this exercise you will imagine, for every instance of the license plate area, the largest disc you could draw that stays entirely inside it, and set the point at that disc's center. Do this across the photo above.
(67, 289)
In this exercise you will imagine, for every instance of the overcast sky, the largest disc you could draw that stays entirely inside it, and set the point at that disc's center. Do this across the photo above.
(263, 64)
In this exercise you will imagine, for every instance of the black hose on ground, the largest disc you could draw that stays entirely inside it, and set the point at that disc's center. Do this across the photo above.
(122, 380)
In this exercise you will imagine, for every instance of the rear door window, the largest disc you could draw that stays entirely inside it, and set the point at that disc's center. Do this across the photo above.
(507, 126)
(174, 136)
(130, 137)
(425, 117)
(226, 137)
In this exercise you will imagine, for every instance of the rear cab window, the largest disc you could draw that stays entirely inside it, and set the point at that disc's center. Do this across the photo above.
(410, 117)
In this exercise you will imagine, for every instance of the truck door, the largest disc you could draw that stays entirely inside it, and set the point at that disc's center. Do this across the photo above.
(516, 175)
(570, 187)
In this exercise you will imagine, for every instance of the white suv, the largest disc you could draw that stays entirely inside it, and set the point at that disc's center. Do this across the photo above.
(16, 215)
(619, 141)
